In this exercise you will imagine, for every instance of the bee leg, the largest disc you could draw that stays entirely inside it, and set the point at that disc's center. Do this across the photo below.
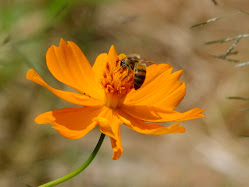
(121, 67)
(118, 70)
(128, 72)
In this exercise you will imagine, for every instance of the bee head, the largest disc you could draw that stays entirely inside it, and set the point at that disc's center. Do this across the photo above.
(122, 63)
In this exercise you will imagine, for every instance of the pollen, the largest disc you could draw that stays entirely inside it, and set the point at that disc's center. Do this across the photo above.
(117, 83)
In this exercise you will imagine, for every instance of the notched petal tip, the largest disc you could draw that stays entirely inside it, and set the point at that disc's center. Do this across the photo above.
(68, 64)
(63, 42)
(73, 45)
(42, 119)
(177, 74)
(33, 76)
(117, 149)
(116, 155)
(200, 113)
(176, 128)
(30, 74)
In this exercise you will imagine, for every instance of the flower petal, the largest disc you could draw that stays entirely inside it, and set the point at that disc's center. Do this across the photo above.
(112, 57)
(72, 123)
(104, 123)
(69, 65)
(121, 56)
(149, 128)
(167, 95)
(109, 123)
(155, 70)
(155, 114)
(173, 99)
(71, 97)
(117, 148)
(100, 65)
(155, 76)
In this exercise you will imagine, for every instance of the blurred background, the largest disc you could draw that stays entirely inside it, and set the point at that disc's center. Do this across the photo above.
(213, 152)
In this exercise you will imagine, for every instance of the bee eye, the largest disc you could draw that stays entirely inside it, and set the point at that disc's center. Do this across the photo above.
(122, 63)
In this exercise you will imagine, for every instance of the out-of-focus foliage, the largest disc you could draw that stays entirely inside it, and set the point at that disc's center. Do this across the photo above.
(27, 29)
(229, 51)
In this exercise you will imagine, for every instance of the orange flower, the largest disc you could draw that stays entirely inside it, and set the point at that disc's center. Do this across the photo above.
(109, 100)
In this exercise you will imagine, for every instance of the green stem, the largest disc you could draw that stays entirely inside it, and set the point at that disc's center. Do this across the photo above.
(80, 169)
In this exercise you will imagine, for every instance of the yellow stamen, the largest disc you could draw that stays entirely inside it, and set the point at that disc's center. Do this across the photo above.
(116, 84)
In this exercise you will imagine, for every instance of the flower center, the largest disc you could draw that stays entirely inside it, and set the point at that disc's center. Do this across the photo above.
(117, 83)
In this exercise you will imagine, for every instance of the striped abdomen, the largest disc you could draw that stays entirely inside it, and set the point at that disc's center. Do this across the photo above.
(139, 76)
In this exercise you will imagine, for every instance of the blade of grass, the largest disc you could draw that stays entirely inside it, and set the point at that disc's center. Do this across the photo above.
(239, 98)
(242, 64)
(226, 59)
(215, 19)
(205, 22)
(231, 53)
(244, 109)
(227, 39)
(215, 2)
(231, 48)
(244, 12)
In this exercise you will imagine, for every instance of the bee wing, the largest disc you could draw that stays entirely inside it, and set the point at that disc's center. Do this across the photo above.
(144, 60)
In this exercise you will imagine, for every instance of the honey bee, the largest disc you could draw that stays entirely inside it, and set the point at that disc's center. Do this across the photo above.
(134, 62)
